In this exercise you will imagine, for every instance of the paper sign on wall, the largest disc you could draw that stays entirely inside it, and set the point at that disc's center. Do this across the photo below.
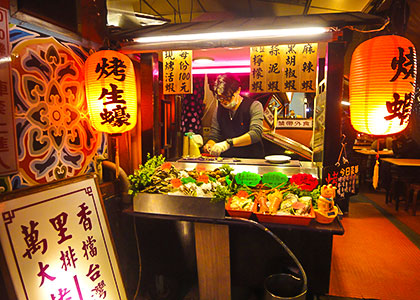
(283, 68)
(177, 78)
(56, 242)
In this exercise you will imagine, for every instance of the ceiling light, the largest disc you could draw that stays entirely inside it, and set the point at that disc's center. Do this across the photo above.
(202, 60)
(240, 70)
(221, 63)
(233, 35)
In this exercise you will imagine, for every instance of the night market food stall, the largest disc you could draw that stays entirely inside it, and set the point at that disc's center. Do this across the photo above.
(180, 193)
(286, 197)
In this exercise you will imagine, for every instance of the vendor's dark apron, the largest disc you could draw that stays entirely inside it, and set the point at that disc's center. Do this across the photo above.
(238, 126)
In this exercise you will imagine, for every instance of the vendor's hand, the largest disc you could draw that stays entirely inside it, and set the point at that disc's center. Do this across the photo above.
(207, 147)
(218, 148)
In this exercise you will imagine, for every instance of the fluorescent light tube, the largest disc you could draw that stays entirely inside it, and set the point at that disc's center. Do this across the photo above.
(229, 35)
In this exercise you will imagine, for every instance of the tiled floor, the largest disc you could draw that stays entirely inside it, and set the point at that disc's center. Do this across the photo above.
(379, 255)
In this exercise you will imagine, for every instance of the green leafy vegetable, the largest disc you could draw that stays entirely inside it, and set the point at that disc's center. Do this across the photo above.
(143, 176)
(222, 193)
(226, 170)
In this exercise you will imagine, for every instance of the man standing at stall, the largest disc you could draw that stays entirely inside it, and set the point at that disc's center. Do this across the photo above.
(237, 123)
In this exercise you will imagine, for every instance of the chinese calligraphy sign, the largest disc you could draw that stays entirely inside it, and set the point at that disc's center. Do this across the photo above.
(177, 78)
(345, 178)
(382, 84)
(57, 245)
(283, 68)
(404, 66)
(111, 91)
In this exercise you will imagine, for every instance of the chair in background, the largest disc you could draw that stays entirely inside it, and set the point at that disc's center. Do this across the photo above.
(412, 191)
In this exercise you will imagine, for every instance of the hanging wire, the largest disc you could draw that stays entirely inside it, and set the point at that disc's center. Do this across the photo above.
(173, 7)
(191, 10)
(179, 12)
(201, 5)
(154, 10)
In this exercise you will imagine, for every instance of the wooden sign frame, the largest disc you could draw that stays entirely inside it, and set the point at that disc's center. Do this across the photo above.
(56, 241)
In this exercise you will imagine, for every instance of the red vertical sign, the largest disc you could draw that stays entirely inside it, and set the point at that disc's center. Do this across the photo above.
(8, 152)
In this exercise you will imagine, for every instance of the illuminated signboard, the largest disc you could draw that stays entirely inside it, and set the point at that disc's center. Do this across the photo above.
(283, 68)
(56, 242)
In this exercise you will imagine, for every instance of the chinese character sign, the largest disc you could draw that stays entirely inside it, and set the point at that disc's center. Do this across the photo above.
(177, 78)
(345, 178)
(283, 68)
(8, 151)
(57, 245)
(381, 85)
(111, 91)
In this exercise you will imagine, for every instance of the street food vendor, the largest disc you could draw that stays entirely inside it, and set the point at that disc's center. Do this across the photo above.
(236, 124)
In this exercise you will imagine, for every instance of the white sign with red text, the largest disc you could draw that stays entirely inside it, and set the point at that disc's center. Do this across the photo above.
(57, 244)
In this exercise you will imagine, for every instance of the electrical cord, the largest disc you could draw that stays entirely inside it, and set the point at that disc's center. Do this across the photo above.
(138, 256)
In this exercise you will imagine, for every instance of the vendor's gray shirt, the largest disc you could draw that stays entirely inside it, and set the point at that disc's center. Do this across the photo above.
(255, 125)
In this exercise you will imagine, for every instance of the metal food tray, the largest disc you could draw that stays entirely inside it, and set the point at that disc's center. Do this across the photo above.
(175, 205)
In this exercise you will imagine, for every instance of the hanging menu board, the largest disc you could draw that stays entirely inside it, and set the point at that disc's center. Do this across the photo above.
(283, 68)
(177, 78)
(56, 243)
(344, 177)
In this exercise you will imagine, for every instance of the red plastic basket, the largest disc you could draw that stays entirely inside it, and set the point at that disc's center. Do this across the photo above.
(286, 219)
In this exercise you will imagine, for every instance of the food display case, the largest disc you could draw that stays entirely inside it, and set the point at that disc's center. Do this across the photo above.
(204, 207)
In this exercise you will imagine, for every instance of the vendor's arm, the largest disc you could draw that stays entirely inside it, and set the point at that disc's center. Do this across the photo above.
(255, 127)
(215, 133)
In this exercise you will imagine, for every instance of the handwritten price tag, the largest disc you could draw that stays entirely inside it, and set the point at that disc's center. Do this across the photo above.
(248, 178)
(275, 179)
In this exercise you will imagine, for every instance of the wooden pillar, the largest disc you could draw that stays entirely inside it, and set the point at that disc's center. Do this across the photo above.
(334, 84)
(149, 105)
(213, 261)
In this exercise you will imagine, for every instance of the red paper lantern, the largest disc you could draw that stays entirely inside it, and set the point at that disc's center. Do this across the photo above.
(111, 91)
(381, 85)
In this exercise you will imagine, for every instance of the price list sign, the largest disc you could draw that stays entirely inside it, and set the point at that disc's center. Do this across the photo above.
(283, 68)
(345, 178)
(8, 151)
(56, 243)
(177, 78)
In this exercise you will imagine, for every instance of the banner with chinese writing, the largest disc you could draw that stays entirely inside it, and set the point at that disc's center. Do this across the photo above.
(177, 78)
(283, 68)
(56, 242)
(8, 151)
(344, 177)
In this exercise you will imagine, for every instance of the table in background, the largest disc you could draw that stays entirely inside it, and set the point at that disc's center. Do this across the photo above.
(367, 158)
(397, 172)
(238, 249)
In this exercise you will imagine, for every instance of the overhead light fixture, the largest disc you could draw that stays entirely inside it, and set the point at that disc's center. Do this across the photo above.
(200, 61)
(234, 35)
(221, 63)
(221, 66)
(222, 70)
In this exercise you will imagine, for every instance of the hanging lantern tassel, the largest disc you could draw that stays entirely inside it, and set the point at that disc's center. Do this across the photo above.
(117, 157)
(375, 177)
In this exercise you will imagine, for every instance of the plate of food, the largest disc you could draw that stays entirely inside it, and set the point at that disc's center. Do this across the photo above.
(278, 159)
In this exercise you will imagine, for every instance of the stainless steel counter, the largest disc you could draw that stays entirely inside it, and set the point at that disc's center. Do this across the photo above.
(259, 166)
